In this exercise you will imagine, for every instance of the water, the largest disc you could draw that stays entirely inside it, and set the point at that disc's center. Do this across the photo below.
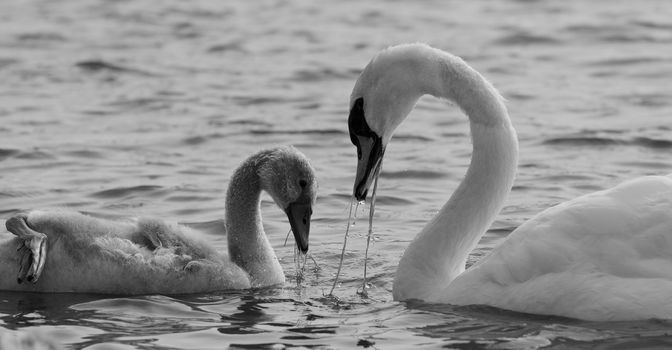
(123, 108)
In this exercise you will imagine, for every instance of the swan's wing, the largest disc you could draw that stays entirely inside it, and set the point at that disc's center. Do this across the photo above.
(606, 255)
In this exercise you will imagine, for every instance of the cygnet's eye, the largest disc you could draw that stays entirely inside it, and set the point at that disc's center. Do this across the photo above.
(303, 183)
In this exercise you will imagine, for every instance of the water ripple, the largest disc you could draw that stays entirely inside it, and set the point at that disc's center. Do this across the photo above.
(624, 61)
(655, 100)
(8, 153)
(123, 192)
(525, 38)
(641, 141)
(233, 46)
(35, 155)
(298, 132)
(393, 200)
(102, 66)
(321, 74)
(413, 174)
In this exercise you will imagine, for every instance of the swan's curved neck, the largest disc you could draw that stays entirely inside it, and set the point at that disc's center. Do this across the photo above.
(248, 245)
(438, 253)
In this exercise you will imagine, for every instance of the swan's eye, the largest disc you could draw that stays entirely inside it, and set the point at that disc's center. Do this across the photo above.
(303, 183)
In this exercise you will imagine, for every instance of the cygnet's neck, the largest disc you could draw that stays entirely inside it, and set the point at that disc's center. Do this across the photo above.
(248, 245)
(439, 252)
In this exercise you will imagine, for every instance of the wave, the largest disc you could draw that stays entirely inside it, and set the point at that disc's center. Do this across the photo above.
(124, 192)
(524, 38)
(321, 74)
(86, 153)
(7, 153)
(624, 61)
(413, 174)
(101, 66)
(298, 132)
(640, 141)
(234, 46)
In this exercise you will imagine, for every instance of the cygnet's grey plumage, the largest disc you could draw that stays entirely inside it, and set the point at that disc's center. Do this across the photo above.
(66, 251)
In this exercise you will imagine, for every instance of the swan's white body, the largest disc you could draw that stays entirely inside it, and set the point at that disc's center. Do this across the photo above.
(145, 255)
(602, 256)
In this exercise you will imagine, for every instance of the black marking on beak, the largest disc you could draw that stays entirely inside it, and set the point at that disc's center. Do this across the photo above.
(298, 214)
(370, 149)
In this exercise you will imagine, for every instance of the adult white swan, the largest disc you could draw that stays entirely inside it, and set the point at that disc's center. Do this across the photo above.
(65, 251)
(602, 256)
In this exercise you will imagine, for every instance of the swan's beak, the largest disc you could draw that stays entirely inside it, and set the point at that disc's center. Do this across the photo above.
(370, 153)
(370, 149)
(299, 214)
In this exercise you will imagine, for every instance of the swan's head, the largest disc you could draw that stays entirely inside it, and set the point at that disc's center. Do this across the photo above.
(386, 91)
(288, 177)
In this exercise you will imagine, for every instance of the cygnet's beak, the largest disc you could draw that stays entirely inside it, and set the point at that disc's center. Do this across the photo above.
(298, 214)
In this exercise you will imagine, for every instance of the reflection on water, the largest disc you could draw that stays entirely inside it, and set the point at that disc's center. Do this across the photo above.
(266, 318)
(125, 108)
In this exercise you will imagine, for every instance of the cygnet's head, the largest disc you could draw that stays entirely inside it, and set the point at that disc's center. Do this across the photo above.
(288, 177)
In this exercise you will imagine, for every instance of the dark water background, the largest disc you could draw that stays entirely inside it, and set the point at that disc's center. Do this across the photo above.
(123, 108)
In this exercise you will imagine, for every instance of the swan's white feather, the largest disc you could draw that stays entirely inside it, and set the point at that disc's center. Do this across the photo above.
(602, 256)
